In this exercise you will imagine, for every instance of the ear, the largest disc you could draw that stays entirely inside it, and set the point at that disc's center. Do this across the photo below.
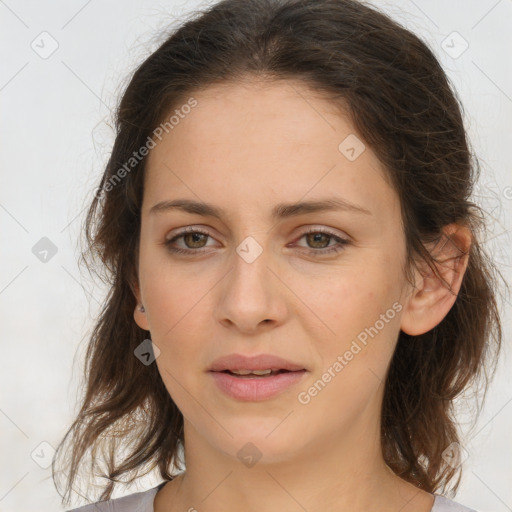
(139, 316)
(431, 299)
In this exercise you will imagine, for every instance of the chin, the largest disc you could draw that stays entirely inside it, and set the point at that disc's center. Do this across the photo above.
(264, 444)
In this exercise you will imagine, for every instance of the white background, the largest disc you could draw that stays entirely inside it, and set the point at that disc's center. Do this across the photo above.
(54, 143)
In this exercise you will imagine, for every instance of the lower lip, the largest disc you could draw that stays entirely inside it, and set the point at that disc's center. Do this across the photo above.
(256, 388)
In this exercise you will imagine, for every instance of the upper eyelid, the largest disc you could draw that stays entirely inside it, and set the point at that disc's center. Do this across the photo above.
(306, 230)
(188, 229)
(207, 231)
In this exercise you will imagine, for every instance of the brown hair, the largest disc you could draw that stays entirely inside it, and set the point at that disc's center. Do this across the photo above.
(400, 101)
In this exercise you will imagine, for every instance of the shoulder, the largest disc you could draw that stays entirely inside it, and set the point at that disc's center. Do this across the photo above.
(136, 502)
(442, 504)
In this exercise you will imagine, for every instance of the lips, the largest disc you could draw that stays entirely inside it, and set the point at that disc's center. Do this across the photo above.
(254, 388)
(236, 362)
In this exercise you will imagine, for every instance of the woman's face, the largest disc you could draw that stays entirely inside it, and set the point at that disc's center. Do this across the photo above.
(252, 281)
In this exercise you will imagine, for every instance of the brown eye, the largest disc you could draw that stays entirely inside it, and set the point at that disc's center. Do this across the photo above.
(194, 240)
(318, 240)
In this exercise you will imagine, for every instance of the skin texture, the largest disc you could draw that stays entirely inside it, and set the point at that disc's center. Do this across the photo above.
(245, 148)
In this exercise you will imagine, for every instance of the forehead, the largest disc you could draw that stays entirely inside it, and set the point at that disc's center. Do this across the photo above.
(262, 115)
(272, 138)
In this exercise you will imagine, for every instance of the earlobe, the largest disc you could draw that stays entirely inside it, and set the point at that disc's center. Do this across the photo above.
(434, 295)
(139, 314)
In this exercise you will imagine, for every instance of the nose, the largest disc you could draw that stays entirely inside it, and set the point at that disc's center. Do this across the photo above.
(251, 295)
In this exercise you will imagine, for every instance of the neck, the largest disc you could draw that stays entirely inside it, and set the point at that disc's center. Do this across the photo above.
(349, 474)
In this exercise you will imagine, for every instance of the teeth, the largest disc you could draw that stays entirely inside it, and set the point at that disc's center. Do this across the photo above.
(248, 372)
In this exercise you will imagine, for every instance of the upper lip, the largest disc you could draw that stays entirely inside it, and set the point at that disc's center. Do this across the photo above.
(259, 362)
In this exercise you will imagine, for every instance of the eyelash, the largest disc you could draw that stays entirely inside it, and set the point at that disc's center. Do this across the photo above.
(341, 242)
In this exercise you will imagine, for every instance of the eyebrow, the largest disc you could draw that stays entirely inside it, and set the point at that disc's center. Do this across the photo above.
(280, 211)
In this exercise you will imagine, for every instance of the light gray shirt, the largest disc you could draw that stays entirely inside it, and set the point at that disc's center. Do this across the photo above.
(143, 502)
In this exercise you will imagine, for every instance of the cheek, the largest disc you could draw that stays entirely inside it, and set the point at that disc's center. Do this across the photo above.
(172, 292)
(177, 328)
(364, 315)
(353, 299)
(362, 312)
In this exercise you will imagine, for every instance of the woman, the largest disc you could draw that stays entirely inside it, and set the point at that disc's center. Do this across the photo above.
(297, 291)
